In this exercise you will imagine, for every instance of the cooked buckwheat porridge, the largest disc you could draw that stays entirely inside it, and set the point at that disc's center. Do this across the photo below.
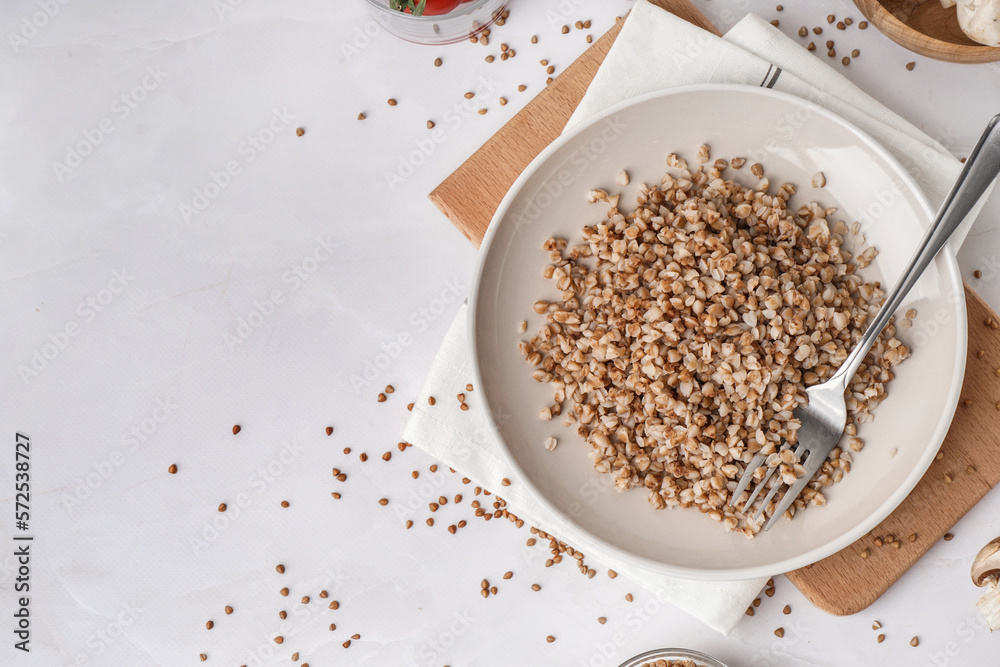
(682, 333)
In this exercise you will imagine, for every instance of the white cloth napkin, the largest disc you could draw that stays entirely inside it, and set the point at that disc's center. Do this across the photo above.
(657, 50)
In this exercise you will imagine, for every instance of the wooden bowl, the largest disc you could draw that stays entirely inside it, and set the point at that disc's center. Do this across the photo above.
(927, 28)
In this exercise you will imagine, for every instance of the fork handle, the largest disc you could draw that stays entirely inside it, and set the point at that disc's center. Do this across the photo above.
(981, 169)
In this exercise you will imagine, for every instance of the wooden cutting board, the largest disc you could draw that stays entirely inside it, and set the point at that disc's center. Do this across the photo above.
(844, 583)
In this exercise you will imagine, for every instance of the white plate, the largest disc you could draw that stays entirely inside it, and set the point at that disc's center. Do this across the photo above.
(793, 139)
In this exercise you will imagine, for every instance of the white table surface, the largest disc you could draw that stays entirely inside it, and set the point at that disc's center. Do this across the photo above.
(327, 266)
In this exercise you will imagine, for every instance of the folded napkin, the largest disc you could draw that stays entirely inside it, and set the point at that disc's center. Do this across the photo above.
(657, 50)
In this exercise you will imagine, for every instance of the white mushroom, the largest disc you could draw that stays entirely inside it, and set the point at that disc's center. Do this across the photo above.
(986, 572)
(979, 19)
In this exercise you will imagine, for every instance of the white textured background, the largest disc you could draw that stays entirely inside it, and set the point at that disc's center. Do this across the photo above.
(332, 266)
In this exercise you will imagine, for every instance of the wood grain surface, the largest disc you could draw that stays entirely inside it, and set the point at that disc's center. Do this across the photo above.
(844, 583)
(927, 28)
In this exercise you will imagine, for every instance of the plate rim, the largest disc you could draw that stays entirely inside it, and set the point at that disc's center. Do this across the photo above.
(583, 537)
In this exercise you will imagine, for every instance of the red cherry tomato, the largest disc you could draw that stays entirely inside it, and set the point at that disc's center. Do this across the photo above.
(438, 7)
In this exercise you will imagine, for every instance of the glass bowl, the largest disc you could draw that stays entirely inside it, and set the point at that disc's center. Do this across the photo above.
(468, 19)
(697, 657)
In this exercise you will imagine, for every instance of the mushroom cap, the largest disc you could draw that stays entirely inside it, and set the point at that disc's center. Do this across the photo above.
(980, 20)
(986, 564)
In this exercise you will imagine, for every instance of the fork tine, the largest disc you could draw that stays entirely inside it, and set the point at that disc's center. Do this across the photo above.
(796, 489)
(787, 500)
(761, 485)
(774, 489)
(746, 478)
(767, 499)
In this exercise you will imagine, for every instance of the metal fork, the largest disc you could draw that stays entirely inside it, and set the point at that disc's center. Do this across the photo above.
(824, 417)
